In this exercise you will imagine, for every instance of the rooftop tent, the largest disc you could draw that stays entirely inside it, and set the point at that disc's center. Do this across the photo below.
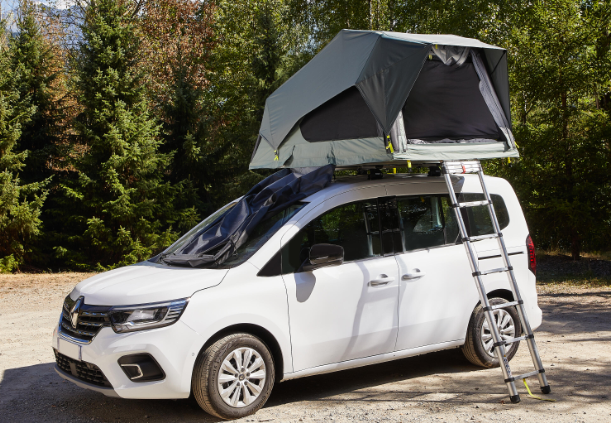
(373, 97)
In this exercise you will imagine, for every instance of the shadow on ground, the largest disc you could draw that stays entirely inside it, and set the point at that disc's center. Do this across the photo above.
(36, 393)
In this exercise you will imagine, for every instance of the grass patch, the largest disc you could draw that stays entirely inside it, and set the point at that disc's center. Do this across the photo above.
(593, 270)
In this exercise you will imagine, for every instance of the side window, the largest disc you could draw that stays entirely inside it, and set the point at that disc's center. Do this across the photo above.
(478, 219)
(426, 221)
(354, 226)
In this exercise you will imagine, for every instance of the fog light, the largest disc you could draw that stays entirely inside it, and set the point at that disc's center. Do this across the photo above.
(141, 368)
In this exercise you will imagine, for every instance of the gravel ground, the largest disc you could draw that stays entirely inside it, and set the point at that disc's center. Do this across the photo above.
(575, 343)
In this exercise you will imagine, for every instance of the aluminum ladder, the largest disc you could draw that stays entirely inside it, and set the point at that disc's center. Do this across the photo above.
(449, 168)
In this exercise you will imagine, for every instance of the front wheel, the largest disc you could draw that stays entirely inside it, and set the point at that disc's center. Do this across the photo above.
(234, 377)
(479, 345)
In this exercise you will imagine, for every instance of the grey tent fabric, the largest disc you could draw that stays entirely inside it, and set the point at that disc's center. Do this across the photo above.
(335, 69)
(450, 55)
(217, 241)
(315, 118)
(491, 99)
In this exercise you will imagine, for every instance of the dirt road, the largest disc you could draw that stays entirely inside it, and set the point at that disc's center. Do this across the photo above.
(575, 343)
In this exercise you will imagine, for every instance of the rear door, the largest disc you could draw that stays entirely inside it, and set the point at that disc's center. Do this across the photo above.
(436, 288)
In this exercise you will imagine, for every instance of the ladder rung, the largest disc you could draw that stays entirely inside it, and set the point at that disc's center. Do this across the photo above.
(470, 166)
(514, 340)
(487, 272)
(505, 305)
(521, 338)
(480, 237)
(474, 203)
(524, 376)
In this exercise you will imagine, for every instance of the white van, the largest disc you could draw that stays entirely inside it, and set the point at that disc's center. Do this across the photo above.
(362, 272)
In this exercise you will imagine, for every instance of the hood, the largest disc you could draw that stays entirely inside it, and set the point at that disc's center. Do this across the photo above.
(145, 282)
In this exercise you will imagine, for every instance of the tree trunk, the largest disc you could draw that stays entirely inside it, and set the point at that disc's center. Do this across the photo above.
(575, 245)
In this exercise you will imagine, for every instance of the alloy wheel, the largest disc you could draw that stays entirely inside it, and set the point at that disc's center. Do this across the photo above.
(505, 325)
(242, 377)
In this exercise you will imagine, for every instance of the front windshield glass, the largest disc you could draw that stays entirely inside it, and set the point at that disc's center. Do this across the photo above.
(186, 238)
(261, 233)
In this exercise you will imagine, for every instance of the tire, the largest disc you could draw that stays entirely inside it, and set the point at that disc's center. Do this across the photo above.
(474, 349)
(233, 399)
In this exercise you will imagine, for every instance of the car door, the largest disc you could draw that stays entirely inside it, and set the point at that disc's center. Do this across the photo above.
(343, 312)
(436, 289)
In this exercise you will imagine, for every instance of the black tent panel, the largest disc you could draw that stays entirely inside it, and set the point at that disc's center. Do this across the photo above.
(346, 116)
(446, 103)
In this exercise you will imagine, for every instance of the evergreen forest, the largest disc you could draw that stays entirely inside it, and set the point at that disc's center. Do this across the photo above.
(123, 123)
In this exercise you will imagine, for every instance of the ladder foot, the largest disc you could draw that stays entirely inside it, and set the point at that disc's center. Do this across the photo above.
(546, 389)
(515, 399)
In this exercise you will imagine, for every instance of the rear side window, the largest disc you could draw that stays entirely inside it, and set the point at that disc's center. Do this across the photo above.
(353, 226)
(426, 221)
(477, 218)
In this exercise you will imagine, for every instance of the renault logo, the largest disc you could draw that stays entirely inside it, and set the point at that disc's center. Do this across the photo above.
(74, 312)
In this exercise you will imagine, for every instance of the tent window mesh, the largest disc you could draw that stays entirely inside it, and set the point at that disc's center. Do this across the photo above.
(346, 116)
(446, 104)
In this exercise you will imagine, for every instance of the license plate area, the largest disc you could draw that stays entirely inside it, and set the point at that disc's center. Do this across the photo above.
(69, 349)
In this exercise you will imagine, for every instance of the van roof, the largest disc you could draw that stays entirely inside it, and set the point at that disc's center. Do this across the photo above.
(346, 183)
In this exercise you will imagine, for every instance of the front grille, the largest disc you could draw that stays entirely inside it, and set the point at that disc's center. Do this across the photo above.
(90, 320)
(82, 370)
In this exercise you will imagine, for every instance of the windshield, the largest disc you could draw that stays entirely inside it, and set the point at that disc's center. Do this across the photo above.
(261, 233)
(186, 238)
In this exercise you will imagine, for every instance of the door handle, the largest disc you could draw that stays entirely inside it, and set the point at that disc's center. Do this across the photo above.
(381, 280)
(415, 275)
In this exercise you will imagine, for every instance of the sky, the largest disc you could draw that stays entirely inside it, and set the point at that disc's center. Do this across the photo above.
(8, 5)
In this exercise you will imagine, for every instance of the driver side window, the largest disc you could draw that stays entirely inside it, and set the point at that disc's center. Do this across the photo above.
(354, 226)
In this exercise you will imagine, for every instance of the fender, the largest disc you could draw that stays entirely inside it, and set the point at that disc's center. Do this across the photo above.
(262, 302)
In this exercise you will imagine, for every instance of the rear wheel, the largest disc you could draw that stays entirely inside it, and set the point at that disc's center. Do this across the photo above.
(234, 377)
(478, 348)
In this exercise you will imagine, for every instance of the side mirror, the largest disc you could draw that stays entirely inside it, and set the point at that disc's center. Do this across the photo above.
(323, 255)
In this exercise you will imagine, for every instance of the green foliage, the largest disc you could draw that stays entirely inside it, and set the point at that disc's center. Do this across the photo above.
(122, 210)
(257, 49)
(170, 95)
(37, 69)
(19, 204)
(560, 72)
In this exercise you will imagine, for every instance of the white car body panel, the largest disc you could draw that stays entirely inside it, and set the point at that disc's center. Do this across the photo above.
(322, 321)
(145, 282)
(337, 315)
(432, 307)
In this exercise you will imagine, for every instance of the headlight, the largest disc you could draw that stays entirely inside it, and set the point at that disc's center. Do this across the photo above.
(146, 316)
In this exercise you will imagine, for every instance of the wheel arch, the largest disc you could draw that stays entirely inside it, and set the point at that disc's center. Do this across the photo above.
(260, 332)
(500, 293)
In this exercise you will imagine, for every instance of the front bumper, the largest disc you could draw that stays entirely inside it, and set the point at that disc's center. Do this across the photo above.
(109, 392)
(174, 347)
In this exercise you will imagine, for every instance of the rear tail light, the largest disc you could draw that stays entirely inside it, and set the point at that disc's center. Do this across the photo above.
(532, 258)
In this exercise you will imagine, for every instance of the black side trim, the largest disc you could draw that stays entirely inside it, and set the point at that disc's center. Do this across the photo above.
(273, 267)
(499, 256)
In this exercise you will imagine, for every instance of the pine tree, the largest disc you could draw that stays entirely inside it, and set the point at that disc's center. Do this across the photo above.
(19, 204)
(123, 208)
(33, 60)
